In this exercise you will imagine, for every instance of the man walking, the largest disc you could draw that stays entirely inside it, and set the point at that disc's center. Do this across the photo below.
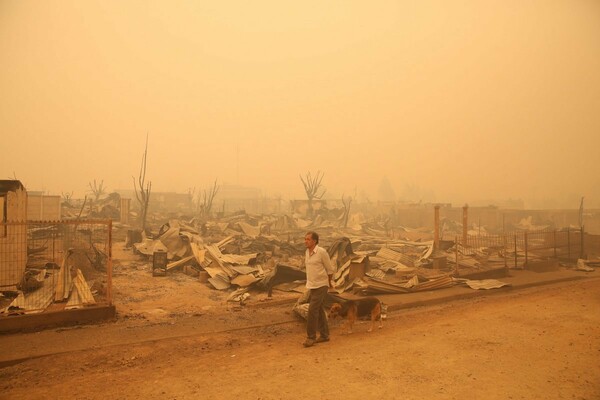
(318, 279)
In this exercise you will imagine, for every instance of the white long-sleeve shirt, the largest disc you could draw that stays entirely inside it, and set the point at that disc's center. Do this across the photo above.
(318, 268)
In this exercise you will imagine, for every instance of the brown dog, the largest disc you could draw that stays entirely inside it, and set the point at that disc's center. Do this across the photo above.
(352, 309)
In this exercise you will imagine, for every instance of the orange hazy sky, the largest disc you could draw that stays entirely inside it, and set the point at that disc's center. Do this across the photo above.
(452, 101)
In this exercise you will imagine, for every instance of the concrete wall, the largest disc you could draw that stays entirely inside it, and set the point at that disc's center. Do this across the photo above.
(43, 208)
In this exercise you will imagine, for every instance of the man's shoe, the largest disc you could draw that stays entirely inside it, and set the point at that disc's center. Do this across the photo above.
(309, 342)
(322, 339)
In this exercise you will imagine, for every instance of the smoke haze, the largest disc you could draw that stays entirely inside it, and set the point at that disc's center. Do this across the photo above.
(437, 101)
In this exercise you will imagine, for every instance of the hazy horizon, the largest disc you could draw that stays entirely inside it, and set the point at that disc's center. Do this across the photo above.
(451, 103)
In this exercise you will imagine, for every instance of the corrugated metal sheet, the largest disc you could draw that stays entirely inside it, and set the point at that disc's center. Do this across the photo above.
(376, 273)
(433, 284)
(240, 259)
(486, 284)
(33, 302)
(389, 254)
(377, 286)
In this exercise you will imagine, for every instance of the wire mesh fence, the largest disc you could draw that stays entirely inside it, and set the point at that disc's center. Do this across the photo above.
(517, 249)
(54, 265)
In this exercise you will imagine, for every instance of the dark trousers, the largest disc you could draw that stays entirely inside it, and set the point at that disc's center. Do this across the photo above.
(316, 319)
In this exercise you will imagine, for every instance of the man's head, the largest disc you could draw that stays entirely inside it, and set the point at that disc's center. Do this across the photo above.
(311, 239)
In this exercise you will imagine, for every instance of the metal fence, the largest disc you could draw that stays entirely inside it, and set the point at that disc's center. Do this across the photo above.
(517, 249)
(54, 265)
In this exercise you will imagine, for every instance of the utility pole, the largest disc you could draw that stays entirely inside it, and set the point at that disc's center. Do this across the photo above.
(465, 223)
(436, 223)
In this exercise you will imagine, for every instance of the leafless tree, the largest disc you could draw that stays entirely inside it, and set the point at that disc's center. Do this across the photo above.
(67, 197)
(346, 202)
(205, 200)
(191, 194)
(82, 207)
(142, 188)
(97, 190)
(312, 186)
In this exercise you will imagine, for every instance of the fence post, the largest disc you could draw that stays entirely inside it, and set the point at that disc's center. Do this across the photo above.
(582, 250)
(555, 245)
(456, 255)
(504, 249)
(569, 244)
(526, 249)
(54, 239)
(109, 265)
(515, 249)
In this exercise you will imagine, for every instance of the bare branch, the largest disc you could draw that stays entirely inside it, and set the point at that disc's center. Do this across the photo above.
(312, 185)
(66, 196)
(82, 206)
(205, 199)
(143, 188)
(97, 190)
(346, 202)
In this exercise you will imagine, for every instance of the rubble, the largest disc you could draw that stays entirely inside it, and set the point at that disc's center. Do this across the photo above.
(241, 253)
(266, 253)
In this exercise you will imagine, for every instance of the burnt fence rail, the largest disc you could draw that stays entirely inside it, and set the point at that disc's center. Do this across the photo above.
(54, 265)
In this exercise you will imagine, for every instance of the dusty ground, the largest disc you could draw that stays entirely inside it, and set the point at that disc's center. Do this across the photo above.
(141, 297)
(538, 343)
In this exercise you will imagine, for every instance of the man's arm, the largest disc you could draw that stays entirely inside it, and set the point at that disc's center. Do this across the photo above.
(328, 267)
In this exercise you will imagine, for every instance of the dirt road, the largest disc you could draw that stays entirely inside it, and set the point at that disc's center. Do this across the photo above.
(539, 343)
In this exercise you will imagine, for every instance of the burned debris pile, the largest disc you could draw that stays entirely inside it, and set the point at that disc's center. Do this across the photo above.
(244, 252)
(236, 254)
(64, 269)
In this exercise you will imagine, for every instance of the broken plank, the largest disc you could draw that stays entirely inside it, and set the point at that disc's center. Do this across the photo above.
(179, 263)
(84, 289)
